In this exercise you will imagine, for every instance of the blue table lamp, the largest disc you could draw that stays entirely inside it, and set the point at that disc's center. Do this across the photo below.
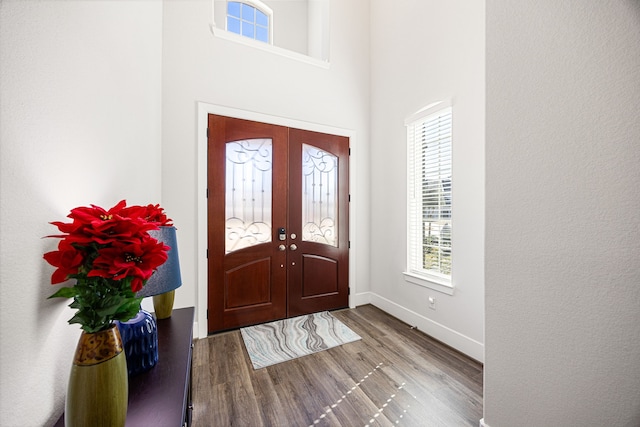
(166, 279)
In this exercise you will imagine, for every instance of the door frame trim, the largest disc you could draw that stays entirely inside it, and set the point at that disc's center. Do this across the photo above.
(204, 109)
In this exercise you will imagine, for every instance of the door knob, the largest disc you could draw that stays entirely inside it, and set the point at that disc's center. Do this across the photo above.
(282, 247)
(293, 247)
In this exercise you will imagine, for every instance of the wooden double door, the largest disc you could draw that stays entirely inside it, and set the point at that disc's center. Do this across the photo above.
(278, 222)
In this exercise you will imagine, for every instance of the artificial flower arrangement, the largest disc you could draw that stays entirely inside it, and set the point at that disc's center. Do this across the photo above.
(111, 255)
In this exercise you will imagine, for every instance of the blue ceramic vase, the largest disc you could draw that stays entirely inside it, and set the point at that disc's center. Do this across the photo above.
(140, 340)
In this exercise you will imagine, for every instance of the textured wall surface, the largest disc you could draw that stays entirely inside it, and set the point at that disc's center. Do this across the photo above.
(80, 94)
(563, 214)
(433, 53)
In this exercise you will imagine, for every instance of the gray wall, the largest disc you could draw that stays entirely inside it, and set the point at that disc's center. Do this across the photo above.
(563, 213)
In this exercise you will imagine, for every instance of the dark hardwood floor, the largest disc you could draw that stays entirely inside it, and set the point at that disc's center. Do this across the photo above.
(395, 375)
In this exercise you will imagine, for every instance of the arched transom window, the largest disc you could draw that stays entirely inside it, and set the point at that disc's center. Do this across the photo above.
(250, 18)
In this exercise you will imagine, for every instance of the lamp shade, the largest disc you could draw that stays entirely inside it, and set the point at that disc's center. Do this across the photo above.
(167, 277)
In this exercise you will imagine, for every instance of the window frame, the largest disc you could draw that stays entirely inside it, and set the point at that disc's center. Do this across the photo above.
(414, 272)
(218, 29)
(258, 5)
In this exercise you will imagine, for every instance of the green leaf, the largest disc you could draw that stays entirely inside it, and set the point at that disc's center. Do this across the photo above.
(128, 310)
(64, 292)
(109, 310)
(79, 317)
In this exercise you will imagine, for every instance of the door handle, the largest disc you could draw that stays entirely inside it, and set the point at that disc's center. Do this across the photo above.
(293, 247)
(282, 247)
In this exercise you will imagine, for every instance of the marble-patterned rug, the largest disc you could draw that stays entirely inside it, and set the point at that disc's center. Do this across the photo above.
(283, 340)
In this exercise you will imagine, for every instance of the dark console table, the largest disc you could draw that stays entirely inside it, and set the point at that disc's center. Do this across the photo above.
(162, 396)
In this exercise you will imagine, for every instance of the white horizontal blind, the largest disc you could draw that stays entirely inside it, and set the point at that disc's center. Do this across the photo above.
(429, 140)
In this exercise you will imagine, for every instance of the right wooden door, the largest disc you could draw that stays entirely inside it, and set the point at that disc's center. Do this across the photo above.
(278, 225)
(318, 258)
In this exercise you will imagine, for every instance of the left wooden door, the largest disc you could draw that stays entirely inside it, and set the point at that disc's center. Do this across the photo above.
(247, 203)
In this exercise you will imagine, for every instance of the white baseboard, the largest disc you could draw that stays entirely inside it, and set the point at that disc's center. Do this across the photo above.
(462, 343)
(362, 298)
(196, 331)
(482, 423)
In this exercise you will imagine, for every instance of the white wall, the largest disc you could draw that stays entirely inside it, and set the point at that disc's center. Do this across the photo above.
(423, 52)
(563, 213)
(80, 93)
(199, 67)
(291, 26)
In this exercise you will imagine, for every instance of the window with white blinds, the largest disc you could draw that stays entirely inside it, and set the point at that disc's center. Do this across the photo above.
(429, 144)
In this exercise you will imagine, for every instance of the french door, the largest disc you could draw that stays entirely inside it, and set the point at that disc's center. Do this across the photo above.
(278, 228)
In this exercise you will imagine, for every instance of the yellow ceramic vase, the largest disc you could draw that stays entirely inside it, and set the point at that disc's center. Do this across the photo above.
(98, 385)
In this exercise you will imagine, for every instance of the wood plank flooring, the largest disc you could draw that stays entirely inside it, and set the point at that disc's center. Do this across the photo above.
(394, 376)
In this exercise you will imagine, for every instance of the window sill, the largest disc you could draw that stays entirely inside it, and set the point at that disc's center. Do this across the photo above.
(226, 35)
(434, 283)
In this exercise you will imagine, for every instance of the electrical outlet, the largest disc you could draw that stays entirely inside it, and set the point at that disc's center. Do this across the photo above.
(432, 303)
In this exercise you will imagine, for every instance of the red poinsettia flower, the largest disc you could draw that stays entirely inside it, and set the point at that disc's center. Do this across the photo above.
(120, 223)
(117, 230)
(111, 255)
(151, 213)
(138, 260)
(137, 283)
(67, 259)
(85, 215)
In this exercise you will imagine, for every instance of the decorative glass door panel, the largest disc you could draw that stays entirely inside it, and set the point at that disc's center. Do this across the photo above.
(249, 170)
(319, 196)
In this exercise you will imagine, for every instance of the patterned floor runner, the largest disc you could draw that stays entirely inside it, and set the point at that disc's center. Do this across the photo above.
(283, 340)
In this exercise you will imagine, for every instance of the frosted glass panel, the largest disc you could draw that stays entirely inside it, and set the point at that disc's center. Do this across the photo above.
(319, 196)
(249, 174)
